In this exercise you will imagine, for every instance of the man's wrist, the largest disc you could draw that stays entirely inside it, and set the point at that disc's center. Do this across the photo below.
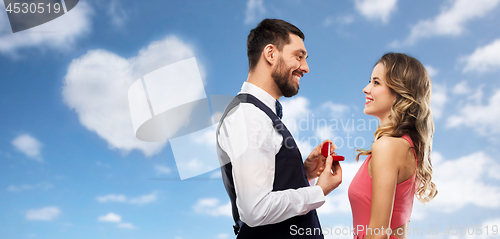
(322, 189)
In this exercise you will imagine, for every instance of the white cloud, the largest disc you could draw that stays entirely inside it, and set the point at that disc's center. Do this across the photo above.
(117, 14)
(110, 217)
(255, 10)
(418, 212)
(216, 174)
(335, 110)
(126, 225)
(306, 145)
(439, 98)
(323, 133)
(295, 108)
(28, 145)
(203, 159)
(160, 169)
(466, 93)
(341, 20)
(212, 207)
(338, 201)
(112, 198)
(23, 187)
(296, 113)
(19, 188)
(299, 119)
(482, 118)
(43, 214)
(96, 87)
(222, 236)
(115, 218)
(431, 70)
(60, 33)
(194, 166)
(484, 59)
(144, 199)
(207, 137)
(464, 181)
(461, 88)
(451, 21)
(376, 9)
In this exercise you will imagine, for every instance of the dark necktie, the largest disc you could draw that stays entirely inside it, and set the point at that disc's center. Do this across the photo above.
(279, 110)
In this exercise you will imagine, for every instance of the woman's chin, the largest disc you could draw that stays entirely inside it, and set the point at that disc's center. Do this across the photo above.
(367, 112)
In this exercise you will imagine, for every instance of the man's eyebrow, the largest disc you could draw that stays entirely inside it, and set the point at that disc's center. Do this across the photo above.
(303, 52)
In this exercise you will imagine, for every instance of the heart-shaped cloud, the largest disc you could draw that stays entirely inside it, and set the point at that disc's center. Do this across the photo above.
(96, 86)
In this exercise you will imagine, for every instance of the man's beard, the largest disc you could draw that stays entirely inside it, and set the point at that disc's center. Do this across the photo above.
(284, 79)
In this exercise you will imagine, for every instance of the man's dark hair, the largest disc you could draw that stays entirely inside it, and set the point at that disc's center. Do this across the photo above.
(269, 31)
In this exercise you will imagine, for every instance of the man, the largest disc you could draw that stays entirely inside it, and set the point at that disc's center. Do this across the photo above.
(262, 168)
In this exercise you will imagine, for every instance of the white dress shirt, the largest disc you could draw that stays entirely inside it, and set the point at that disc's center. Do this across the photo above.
(248, 137)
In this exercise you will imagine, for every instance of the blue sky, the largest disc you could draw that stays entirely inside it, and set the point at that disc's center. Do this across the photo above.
(72, 168)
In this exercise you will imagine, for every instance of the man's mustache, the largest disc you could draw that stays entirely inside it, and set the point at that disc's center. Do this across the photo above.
(298, 72)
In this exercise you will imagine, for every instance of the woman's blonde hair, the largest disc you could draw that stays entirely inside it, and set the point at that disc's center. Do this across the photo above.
(411, 115)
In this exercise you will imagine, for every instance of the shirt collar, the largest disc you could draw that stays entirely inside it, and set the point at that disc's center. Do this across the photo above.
(260, 94)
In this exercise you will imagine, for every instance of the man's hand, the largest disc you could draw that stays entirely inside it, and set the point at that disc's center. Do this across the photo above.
(315, 162)
(331, 177)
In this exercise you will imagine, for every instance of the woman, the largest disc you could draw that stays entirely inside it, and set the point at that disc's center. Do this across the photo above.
(398, 165)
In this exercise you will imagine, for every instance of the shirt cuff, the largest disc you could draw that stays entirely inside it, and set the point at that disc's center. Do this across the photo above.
(316, 197)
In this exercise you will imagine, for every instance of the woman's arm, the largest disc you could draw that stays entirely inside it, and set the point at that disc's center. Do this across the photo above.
(385, 163)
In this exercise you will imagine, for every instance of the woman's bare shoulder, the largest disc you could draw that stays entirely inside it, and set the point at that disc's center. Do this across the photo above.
(390, 148)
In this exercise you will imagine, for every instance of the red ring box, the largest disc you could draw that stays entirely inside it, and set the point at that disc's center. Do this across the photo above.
(325, 150)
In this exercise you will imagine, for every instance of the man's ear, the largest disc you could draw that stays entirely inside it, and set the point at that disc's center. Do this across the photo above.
(269, 53)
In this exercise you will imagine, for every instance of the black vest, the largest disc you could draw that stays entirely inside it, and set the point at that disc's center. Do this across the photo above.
(289, 174)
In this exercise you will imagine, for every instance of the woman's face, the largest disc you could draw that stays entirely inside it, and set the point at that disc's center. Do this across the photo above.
(379, 98)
